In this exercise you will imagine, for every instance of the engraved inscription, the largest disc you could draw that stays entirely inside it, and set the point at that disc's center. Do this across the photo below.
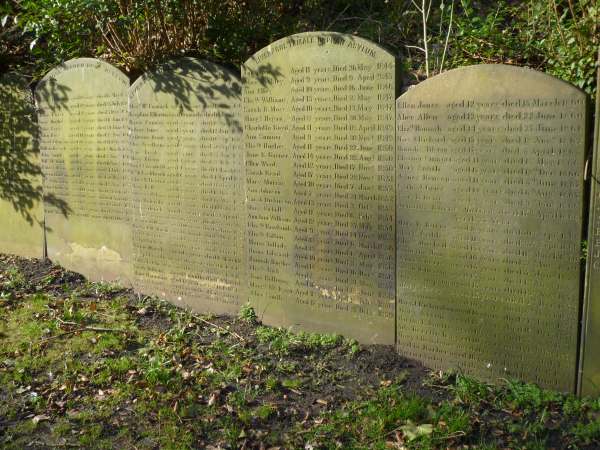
(82, 113)
(83, 147)
(319, 143)
(489, 210)
(188, 209)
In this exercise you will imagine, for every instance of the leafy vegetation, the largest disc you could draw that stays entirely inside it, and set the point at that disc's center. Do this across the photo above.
(92, 365)
(560, 37)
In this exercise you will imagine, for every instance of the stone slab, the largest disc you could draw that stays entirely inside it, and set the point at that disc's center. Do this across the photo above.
(319, 145)
(82, 111)
(21, 195)
(489, 223)
(589, 383)
(188, 194)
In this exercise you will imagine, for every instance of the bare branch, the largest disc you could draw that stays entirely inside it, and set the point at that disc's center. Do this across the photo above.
(425, 43)
(447, 37)
(416, 6)
(415, 46)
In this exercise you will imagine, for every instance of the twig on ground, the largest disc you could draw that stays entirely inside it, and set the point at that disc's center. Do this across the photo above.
(77, 330)
(214, 325)
(65, 444)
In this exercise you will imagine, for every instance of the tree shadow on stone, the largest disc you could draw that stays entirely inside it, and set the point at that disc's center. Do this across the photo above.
(194, 82)
(51, 93)
(20, 170)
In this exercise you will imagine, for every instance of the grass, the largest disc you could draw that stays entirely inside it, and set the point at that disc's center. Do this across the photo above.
(283, 342)
(92, 365)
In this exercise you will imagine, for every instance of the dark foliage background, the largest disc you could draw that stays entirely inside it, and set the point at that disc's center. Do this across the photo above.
(560, 37)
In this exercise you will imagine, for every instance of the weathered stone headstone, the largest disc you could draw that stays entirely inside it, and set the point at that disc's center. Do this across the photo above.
(83, 123)
(21, 208)
(188, 197)
(589, 382)
(489, 169)
(319, 145)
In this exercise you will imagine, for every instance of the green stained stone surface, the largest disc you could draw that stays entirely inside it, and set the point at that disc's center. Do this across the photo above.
(318, 114)
(188, 212)
(83, 123)
(489, 173)
(21, 208)
(590, 351)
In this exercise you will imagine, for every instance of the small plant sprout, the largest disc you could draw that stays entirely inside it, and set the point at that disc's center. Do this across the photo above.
(247, 313)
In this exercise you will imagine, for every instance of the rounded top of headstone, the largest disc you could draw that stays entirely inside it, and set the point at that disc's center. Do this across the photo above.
(485, 80)
(80, 75)
(84, 63)
(321, 38)
(194, 69)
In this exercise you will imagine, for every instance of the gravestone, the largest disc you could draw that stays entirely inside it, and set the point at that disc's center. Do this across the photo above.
(21, 208)
(589, 382)
(489, 221)
(319, 145)
(82, 113)
(188, 194)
